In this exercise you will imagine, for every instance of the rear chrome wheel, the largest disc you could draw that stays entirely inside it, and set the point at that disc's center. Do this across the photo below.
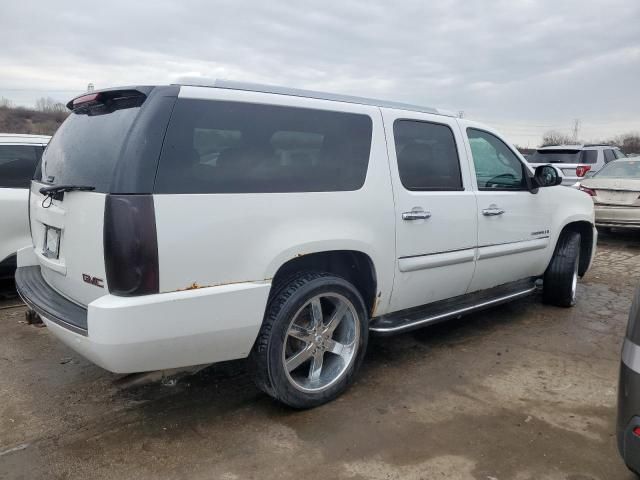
(312, 341)
(321, 342)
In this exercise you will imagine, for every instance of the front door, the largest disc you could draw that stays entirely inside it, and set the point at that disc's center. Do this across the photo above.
(436, 213)
(513, 223)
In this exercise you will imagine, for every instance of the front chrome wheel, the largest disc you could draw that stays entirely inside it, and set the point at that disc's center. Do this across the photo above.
(321, 342)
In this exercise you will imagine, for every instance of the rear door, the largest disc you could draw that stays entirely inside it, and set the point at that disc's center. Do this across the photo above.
(436, 213)
(109, 144)
(17, 164)
(513, 223)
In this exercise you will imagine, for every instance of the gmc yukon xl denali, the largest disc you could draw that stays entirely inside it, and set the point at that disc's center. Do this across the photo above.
(189, 224)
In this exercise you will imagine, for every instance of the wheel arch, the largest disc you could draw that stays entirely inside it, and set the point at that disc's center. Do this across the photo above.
(354, 266)
(586, 231)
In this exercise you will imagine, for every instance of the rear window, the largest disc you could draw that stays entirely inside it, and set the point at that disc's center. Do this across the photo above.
(564, 156)
(18, 164)
(231, 147)
(623, 169)
(86, 147)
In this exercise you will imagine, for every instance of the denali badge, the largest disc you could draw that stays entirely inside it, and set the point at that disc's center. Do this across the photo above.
(98, 282)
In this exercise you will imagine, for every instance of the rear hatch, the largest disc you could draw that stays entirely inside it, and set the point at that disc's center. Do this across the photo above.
(572, 162)
(106, 151)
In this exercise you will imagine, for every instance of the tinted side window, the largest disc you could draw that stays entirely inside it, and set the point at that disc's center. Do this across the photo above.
(609, 155)
(497, 167)
(232, 147)
(589, 156)
(17, 164)
(427, 156)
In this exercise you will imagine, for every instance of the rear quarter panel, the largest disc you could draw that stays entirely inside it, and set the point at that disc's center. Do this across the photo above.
(216, 239)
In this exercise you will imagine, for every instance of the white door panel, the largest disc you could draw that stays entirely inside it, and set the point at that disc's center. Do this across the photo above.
(436, 255)
(513, 223)
(14, 225)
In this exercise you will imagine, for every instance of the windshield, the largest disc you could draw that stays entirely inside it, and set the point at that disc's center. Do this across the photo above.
(624, 169)
(564, 156)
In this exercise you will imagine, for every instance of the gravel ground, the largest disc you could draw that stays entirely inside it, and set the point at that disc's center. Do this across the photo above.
(522, 391)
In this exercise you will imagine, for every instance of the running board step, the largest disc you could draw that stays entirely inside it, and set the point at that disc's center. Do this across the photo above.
(413, 318)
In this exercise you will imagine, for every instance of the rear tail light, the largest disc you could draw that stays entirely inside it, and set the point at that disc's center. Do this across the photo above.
(107, 100)
(85, 99)
(131, 245)
(636, 431)
(587, 190)
(581, 170)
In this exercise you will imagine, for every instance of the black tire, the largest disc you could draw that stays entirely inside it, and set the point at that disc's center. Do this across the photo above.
(267, 359)
(561, 277)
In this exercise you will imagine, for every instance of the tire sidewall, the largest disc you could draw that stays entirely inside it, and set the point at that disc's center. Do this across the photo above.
(278, 378)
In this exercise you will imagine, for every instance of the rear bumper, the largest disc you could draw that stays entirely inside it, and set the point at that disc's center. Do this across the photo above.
(158, 332)
(39, 296)
(617, 217)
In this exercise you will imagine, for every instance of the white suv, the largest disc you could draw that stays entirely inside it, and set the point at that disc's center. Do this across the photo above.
(19, 156)
(190, 224)
(576, 161)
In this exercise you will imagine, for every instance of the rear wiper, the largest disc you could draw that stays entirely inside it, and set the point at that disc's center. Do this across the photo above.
(65, 188)
(56, 192)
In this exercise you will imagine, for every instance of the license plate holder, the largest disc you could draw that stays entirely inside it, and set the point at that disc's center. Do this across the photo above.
(51, 248)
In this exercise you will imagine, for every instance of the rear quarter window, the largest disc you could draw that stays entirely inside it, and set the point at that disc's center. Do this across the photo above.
(231, 147)
(18, 164)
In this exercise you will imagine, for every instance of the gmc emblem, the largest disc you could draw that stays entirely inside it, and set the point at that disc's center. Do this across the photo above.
(98, 282)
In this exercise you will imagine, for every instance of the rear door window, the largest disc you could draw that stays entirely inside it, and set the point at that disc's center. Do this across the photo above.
(18, 164)
(609, 155)
(427, 156)
(589, 156)
(232, 147)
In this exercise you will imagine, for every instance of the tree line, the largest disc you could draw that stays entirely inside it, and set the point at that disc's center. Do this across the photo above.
(627, 142)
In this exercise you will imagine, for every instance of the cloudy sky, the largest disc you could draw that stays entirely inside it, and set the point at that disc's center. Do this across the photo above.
(523, 66)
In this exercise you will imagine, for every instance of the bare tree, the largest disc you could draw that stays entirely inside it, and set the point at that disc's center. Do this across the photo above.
(5, 103)
(628, 142)
(553, 137)
(49, 105)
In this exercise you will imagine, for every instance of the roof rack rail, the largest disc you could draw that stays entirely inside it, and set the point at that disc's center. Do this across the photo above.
(295, 92)
(599, 145)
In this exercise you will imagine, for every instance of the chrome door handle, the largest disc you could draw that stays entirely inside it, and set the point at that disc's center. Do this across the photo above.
(416, 215)
(492, 211)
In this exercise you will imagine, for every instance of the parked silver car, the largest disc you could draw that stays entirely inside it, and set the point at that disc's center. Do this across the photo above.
(575, 161)
(615, 191)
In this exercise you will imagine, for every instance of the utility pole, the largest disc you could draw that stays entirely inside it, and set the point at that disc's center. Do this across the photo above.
(576, 129)
(461, 114)
(90, 87)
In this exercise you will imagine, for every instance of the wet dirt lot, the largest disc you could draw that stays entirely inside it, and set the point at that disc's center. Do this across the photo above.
(522, 391)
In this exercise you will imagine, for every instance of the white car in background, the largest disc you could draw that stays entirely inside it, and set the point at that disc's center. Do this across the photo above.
(19, 157)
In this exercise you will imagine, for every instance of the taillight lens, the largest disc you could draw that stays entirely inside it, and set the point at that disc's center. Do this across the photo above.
(581, 170)
(587, 190)
(131, 245)
(85, 99)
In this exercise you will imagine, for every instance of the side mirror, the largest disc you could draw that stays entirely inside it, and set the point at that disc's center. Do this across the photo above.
(547, 176)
